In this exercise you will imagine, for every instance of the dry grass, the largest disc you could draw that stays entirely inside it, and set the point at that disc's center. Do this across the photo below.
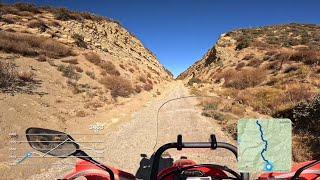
(240, 65)
(109, 68)
(194, 80)
(42, 58)
(118, 86)
(79, 40)
(142, 79)
(147, 87)
(131, 70)
(26, 75)
(305, 147)
(242, 79)
(268, 100)
(138, 89)
(308, 57)
(31, 45)
(254, 63)
(122, 66)
(36, 24)
(297, 92)
(8, 74)
(290, 68)
(93, 58)
(91, 74)
(265, 100)
(69, 71)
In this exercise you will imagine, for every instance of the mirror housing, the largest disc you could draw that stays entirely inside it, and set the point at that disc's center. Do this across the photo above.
(51, 142)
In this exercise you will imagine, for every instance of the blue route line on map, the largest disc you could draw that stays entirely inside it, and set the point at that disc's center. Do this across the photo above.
(268, 165)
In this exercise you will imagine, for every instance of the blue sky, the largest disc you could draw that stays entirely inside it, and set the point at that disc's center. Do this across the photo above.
(179, 32)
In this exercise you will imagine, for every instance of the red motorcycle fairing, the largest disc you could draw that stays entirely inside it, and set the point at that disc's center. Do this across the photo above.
(186, 162)
(92, 172)
(312, 173)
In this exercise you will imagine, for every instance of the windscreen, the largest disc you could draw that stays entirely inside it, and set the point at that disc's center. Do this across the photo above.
(195, 118)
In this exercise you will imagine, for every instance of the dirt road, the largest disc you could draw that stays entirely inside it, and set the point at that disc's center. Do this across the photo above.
(125, 143)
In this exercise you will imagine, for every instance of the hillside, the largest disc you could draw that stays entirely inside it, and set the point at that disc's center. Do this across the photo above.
(67, 70)
(273, 71)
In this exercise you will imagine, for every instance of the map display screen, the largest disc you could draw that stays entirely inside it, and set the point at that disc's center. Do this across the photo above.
(264, 145)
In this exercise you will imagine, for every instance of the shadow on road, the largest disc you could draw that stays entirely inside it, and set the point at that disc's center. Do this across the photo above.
(146, 164)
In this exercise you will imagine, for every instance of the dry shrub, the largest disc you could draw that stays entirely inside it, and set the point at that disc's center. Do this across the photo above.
(69, 71)
(93, 57)
(305, 147)
(96, 59)
(5, 9)
(297, 92)
(138, 89)
(214, 114)
(147, 87)
(38, 24)
(275, 65)
(10, 30)
(243, 79)
(70, 61)
(118, 86)
(81, 113)
(54, 23)
(91, 74)
(65, 15)
(194, 80)
(290, 68)
(79, 40)
(42, 58)
(268, 100)
(254, 63)
(306, 56)
(265, 100)
(78, 69)
(240, 65)
(27, 7)
(31, 45)
(131, 70)
(26, 75)
(8, 74)
(8, 19)
(122, 66)
(235, 109)
(109, 68)
(248, 57)
(142, 79)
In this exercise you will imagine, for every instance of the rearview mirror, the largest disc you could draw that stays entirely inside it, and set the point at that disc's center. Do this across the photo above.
(51, 142)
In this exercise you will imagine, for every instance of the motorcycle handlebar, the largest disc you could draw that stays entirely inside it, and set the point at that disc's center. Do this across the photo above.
(162, 149)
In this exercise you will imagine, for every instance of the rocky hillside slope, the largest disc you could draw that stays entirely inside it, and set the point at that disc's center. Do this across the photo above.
(269, 70)
(60, 69)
